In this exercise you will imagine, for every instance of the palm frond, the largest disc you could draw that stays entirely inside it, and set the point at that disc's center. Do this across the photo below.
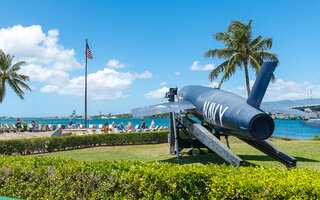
(11, 77)
(18, 76)
(16, 88)
(217, 71)
(265, 55)
(24, 77)
(2, 62)
(22, 84)
(8, 61)
(230, 68)
(249, 29)
(257, 58)
(229, 73)
(16, 67)
(225, 38)
(255, 64)
(220, 53)
(236, 25)
(263, 45)
(255, 41)
(241, 31)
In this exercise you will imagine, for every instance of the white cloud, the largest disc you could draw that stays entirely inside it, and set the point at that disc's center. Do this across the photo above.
(213, 84)
(42, 74)
(177, 73)
(145, 74)
(32, 87)
(163, 83)
(157, 94)
(114, 63)
(102, 85)
(50, 64)
(49, 88)
(35, 47)
(195, 66)
(282, 90)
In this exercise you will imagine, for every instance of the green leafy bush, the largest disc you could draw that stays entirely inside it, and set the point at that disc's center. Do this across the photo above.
(30, 146)
(24, 127)
(55, 178)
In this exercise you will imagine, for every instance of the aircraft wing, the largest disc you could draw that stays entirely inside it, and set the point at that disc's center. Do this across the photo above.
(161, 108)
(287, 111)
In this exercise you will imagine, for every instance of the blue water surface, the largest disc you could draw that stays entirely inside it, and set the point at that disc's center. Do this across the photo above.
(293, 129)
(283, 128)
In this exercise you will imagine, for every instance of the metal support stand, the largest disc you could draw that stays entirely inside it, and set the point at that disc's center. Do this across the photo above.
(173, 137)
(171, 134)
(273, 151)
(210, 141)
(227, 141)
(175, 134)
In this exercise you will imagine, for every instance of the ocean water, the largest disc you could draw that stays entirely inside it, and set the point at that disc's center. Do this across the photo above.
(283, 128)
(294, 129)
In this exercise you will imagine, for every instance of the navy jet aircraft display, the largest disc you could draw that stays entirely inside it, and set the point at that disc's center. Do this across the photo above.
(223, 113)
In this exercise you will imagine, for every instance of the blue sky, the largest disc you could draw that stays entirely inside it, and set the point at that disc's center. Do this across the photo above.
(142, 47)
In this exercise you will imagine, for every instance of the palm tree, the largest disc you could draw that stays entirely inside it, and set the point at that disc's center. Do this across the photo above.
(241, 51)
(9, 74)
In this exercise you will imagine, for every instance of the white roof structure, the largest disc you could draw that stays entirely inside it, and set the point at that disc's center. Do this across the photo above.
(308, 108)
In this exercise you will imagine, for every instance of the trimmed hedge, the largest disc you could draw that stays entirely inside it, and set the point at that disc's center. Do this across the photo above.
(38, 145)
(55, 178)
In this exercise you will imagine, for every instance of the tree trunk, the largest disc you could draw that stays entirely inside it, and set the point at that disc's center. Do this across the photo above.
(2, 89)
(247, 77)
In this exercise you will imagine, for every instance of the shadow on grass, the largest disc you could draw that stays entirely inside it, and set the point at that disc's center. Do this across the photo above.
(212, 158)
(207, 158)
(267, 158)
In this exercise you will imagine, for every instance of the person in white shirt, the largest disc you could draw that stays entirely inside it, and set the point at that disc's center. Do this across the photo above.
(152, 124)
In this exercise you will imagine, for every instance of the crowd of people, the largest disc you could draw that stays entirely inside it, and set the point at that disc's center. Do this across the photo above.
(127, 128)
(119, 127)
(106, 127)
(19, 126)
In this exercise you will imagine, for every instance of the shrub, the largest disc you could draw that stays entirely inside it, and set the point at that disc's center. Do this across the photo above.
(25, 127)
(30, 146)
(55, 178)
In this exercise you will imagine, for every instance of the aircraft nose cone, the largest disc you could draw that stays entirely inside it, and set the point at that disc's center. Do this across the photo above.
(261, 126)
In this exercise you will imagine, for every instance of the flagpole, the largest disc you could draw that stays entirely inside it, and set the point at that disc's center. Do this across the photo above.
(85, 86)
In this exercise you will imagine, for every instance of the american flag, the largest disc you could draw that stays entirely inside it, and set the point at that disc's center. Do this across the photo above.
(88, 52)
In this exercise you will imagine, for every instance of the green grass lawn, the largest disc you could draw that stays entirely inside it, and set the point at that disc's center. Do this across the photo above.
(307, 153)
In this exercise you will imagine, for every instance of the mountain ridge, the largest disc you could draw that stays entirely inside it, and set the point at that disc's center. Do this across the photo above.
(289, 103)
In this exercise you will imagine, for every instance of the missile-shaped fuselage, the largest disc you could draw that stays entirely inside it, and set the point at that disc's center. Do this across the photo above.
(227, 112)
(223, 110)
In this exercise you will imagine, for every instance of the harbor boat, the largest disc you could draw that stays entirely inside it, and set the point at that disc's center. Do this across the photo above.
(314, 123)
(312, 108)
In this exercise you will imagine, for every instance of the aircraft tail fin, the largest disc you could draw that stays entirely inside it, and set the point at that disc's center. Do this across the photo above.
(161, 108)
(261, 84)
